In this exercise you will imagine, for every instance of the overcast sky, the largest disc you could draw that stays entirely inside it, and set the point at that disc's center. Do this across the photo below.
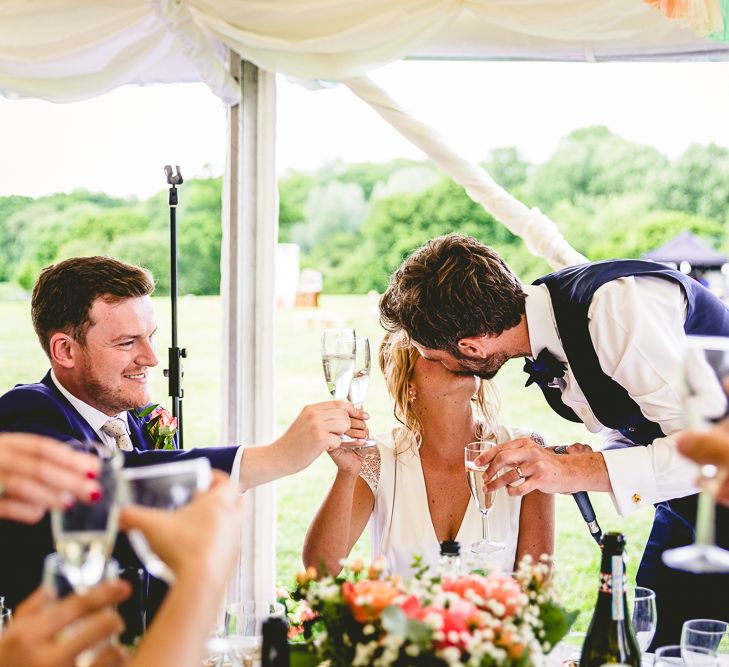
(118, 143)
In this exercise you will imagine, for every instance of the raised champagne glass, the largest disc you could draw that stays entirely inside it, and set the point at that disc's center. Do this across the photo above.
(338, 349)
(84, 533)
(360, 383)
(705, 372)
(484, 501)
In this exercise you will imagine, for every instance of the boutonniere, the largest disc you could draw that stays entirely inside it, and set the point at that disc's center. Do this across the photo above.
(160, 425)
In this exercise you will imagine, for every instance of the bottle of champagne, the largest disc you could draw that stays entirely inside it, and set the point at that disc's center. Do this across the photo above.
(610, 637)
(449, 565)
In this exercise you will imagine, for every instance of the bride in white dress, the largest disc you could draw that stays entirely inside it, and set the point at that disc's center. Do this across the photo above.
(413, 488)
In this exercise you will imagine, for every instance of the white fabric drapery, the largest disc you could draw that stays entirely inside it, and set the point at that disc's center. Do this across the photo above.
(74, 49)
(538, 232)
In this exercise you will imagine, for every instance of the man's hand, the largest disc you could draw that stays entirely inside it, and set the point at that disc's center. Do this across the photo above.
(38, 634)
(709, 447)
(38, 473)
(542, 469)
(318, 429)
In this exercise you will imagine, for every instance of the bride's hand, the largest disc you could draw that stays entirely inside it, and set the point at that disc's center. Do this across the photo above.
(347, 460)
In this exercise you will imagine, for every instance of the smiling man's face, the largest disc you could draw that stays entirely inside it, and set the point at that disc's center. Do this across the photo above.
(111, 369)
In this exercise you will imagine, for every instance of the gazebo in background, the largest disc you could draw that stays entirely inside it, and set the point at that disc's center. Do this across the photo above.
(695, 257)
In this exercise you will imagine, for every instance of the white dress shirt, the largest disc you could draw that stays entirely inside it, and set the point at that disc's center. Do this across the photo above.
(636, 327)
(96, 419)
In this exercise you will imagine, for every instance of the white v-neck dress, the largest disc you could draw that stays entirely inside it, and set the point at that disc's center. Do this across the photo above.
(400, 524)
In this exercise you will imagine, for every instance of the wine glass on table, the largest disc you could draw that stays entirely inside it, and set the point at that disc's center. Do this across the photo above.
(484, 501)
(84, 533)
(705, 371)
(166, 486)
(642, 608)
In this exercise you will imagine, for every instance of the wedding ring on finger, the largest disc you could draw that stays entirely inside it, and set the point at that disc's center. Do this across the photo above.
(520, 480)
(519, 472)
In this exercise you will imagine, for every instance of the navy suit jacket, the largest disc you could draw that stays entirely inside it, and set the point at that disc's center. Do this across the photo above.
(41, 408)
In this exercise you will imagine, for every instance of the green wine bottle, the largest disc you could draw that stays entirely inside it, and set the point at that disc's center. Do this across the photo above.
(610, 638)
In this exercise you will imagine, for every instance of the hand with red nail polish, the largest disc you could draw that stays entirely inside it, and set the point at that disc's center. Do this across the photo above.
(38, 474)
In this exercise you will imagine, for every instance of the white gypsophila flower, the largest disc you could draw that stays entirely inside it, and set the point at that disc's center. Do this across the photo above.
(368, 629)
(451, 655)
(433, 620)
(363, 654)
(412, 650)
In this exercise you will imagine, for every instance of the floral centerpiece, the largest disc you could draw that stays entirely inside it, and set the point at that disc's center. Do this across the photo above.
(364, 617)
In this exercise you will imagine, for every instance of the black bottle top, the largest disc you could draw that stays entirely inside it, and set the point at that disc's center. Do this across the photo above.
(450, 548)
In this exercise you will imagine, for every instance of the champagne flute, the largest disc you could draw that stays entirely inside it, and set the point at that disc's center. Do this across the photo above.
(338, 348)
(484, 501)
(360, 383)
(705, 369)
(166, 486)
(84, 534)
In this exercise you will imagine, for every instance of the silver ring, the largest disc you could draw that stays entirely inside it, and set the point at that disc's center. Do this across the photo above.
(519, 472)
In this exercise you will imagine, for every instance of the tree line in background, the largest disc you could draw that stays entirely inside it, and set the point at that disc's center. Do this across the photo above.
(355, 222)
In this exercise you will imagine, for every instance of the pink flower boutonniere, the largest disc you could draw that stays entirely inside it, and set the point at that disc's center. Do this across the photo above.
(160, 425)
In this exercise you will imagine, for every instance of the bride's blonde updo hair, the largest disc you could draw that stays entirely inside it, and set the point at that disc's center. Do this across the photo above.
(397, 362)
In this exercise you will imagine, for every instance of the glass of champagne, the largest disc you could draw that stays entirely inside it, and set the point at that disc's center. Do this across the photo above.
(484, 501)
(642, 608)
(360, 383)
(704, 375)
(84, 534)
(166, 486)
(338, 349)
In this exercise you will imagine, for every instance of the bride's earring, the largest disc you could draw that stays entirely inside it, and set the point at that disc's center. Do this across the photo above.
(411, 395)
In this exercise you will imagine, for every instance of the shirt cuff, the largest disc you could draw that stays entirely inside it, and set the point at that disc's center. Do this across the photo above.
(235, 470)
(632, 479)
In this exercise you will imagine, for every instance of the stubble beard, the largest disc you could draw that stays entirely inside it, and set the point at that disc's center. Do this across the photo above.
(108, 401)
(485, 368)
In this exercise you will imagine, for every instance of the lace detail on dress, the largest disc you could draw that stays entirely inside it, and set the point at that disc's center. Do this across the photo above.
(370, 470)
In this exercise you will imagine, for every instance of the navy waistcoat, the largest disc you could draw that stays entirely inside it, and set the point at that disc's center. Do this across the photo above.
(571, 291)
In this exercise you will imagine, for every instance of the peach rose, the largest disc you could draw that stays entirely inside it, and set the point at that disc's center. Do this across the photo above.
(367, 598)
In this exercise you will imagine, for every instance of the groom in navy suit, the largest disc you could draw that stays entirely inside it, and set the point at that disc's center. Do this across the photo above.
(95, 321)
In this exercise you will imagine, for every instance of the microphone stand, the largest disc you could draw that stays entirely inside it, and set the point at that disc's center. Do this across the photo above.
(175, 353)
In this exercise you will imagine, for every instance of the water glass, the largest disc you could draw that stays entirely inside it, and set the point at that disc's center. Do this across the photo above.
(707, 634)
(675, 656)
(243, 627)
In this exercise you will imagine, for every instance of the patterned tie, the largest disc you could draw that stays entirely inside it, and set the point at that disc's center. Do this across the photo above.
(117, 429)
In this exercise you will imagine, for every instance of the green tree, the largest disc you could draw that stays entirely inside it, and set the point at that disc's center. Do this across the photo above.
(594, 162)
(697, 183)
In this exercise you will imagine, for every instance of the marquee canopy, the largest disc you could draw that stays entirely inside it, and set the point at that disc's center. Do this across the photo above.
(64, 50)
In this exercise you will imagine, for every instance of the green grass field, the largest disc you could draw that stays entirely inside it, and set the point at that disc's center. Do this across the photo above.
(299, 381)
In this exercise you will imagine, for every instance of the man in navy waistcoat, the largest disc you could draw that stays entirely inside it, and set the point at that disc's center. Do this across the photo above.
(95, 320)
(604, 342)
